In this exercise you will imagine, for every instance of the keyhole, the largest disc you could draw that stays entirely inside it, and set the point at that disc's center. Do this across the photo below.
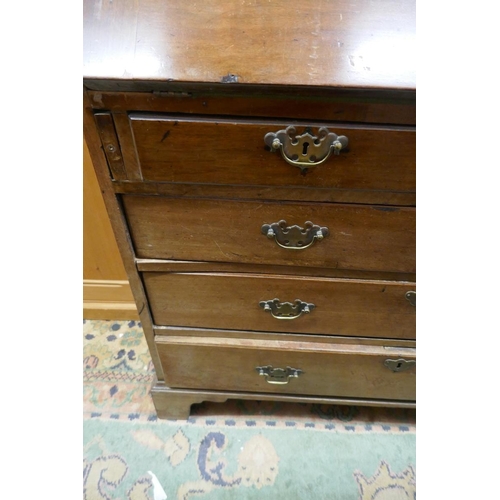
(399, 365)
(305, 148)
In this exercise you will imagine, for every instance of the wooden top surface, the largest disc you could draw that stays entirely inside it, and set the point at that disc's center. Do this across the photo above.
(328, 43)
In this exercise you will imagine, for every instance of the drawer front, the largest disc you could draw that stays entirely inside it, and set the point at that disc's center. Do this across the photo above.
(320, 369)
(226, 152)
(238, 302)
(359, 237)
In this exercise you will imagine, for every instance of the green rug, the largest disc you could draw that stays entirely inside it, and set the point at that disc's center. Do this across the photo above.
(238, 449)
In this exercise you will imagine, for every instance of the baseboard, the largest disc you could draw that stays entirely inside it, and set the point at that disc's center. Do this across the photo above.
(105, 299)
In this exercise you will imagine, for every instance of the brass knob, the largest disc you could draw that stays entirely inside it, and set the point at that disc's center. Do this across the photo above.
(276, 144)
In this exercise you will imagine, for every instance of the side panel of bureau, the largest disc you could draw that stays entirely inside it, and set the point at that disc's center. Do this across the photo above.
(120, 229)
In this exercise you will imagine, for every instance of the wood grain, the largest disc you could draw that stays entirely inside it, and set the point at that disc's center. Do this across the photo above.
(329, 370)
(130, 160)
(243, 334)
(109, 310)
(109, 300)
(279, 193)
(190, 150)
(364, 44)
(298, 337)
(361, 237)
(110, 144)
(176, 403)
(107, 290)
(167, 266)
(231, 301)
(339, 105)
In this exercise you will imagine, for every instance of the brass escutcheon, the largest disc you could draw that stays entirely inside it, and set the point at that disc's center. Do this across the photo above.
(411, 297)
(306, 150)
(294, 237)
(278, 376)
(399, 365)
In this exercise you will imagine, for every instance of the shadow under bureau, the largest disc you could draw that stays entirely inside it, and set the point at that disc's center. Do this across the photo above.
(266, 217)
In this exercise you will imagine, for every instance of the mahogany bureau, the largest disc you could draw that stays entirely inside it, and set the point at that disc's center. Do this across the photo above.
(257, 161)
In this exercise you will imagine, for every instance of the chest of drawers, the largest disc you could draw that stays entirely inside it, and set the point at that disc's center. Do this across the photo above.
(258, 166)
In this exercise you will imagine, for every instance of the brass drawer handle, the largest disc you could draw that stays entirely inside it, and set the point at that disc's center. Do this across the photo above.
(286, 310)
(306, 150)
(411, 297)
(278, 376)
(294, 237)
(399, 365)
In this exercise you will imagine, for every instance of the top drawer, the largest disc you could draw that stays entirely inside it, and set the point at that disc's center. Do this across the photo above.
(222, 151)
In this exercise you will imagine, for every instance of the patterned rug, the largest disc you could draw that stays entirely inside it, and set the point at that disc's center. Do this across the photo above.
(237, 449)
